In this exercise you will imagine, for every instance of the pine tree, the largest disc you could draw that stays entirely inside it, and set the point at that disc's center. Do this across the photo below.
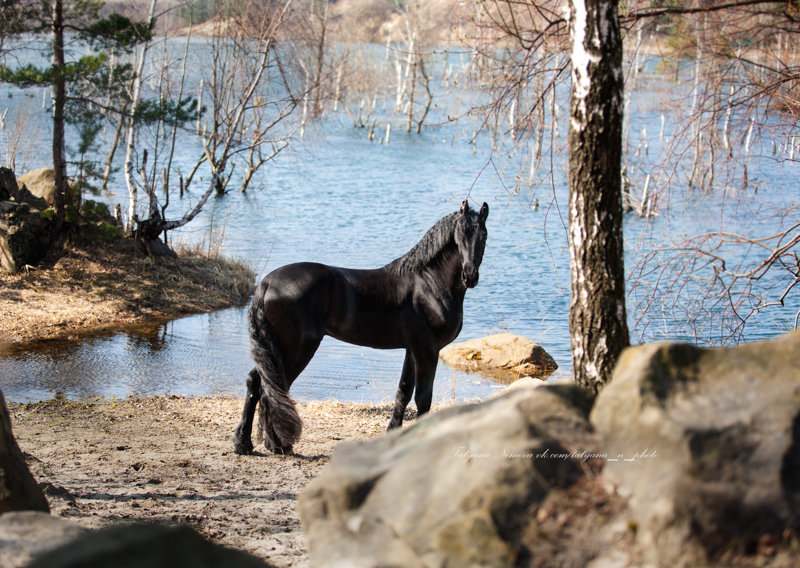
(83, 87)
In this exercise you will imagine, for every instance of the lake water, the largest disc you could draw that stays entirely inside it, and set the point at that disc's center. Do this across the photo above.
(340, 199)
(343, 201)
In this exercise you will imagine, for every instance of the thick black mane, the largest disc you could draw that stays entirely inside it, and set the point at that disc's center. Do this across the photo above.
(429, 248)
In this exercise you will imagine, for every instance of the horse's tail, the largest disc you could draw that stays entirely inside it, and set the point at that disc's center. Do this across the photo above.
(277, 411)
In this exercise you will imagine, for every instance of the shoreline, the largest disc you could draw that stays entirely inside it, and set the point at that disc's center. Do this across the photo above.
(112, 286)
(161, 459)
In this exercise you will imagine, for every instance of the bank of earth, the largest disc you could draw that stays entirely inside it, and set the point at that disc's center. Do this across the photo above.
(112, 285)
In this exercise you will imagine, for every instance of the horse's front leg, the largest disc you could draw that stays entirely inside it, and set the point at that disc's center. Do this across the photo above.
(425, 362)
(242, 442)
(404, 391)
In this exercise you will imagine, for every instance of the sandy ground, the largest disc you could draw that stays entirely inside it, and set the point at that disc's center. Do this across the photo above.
(170, 460)
(162, 459)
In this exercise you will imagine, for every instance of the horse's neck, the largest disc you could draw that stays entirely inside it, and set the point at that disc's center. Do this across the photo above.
(447, 273)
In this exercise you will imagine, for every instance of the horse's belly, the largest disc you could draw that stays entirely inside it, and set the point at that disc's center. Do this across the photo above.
(378, 334)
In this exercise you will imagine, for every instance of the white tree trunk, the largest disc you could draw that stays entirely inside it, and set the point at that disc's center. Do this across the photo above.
(597, 318)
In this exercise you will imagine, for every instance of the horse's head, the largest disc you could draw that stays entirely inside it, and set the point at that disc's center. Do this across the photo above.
(470, 237)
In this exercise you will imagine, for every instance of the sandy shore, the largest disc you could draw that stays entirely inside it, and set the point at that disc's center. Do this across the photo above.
(170, 460)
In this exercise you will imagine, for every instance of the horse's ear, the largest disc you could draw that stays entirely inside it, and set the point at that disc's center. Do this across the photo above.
(484, 213)
(464, 206)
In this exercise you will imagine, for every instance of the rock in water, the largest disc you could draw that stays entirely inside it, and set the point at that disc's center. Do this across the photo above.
(454, 489)
(708, 442)
(504, 357)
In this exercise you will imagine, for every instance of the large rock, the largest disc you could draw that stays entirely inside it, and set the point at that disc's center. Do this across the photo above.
(10, 191)
(18, 489)
(454, 489)
(25, 535)
(707, 445)
(139, 545)
(42, 183)
(24, 236)
(504, 357)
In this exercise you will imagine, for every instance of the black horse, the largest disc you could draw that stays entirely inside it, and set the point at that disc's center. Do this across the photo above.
(414, 303)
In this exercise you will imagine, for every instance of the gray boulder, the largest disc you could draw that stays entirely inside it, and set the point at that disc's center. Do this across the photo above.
(10, 191)
(139, 545)
(42, 183)
(454, 489)
(706, 442)
(27, 534)
(24, 236)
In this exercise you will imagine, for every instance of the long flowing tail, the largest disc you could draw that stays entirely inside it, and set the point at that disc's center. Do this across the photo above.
(277, 412)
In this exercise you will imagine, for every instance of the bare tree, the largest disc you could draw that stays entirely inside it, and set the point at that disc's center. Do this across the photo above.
(714, 285)
(248, 100)
(742, 84)
(519, 58)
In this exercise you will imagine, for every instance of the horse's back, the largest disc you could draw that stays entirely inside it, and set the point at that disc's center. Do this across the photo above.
(361, 306)
(294, 279)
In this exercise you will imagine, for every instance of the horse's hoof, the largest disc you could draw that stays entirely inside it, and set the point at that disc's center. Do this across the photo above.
(282, 450)
(243, 449)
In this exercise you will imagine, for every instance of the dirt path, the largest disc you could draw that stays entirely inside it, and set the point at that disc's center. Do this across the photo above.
(170, 459)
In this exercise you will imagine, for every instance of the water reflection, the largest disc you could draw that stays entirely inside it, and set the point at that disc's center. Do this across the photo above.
(202, 355)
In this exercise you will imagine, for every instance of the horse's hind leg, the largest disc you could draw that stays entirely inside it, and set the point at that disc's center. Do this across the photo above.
(294, 359)
(242, 442)
(271, 439)
(404, 392)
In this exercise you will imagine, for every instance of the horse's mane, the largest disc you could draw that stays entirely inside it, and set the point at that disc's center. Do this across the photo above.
(429, 248)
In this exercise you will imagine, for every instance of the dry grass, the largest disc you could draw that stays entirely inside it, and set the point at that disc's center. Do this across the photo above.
(100, 287)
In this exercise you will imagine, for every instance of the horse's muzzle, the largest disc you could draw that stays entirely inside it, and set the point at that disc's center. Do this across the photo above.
(470, 276)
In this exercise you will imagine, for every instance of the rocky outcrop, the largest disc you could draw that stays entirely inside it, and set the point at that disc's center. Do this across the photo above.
(10, 191)
(42, 182)
(504, 357)
(28, 534)
(716, 434)
(453, 489)
(690, 457)
(24, 236)
(138, 545)
(24, 233)
(18, 489)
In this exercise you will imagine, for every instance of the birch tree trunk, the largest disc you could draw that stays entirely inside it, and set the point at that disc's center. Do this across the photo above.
(130, 145)
(597, 318)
